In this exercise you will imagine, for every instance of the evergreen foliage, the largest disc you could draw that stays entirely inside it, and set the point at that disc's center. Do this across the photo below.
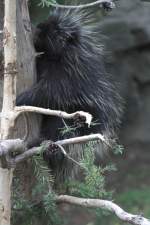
(42, 204)
(46, 3)
(93, 184)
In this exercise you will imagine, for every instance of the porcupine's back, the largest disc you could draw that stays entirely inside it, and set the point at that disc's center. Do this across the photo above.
(73, 67)
(71, 76)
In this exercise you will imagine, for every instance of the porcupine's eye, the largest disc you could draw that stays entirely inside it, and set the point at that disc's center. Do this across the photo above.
(70, 39)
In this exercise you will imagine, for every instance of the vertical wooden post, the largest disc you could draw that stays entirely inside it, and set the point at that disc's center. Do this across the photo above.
(9, 91)
(9, 96)
(5, 195)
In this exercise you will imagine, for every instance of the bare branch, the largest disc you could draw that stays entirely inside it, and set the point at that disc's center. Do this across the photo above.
(19, 146)
(23, 109)
(7, 146)
(27, 154)
(82, 139)
(104, 204)
(82, 6)
(37, 150)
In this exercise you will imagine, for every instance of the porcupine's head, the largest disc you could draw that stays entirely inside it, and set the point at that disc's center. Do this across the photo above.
(65, 32)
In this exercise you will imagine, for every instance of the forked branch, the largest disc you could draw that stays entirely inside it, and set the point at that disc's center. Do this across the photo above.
(18, 145)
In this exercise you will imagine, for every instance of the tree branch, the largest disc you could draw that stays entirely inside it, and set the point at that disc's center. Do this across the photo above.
(36, 150)
(23, 109)
(104, 204)
(82, 6)
(17, 145)
(7, 146)
(82, 139)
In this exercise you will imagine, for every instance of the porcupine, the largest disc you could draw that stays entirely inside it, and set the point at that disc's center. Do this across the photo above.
(71, 76)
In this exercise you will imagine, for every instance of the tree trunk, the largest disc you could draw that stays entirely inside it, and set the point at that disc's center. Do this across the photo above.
(5, 195)
(25, 78)
(1, 51)
(9, 93)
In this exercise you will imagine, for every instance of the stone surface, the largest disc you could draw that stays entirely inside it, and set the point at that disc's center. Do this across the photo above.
(128, 32)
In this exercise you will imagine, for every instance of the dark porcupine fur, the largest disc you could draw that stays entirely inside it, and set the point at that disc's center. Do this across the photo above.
(71, 76)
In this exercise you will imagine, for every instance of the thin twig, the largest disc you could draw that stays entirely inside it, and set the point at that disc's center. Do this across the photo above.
(82, 139)
(68, 157)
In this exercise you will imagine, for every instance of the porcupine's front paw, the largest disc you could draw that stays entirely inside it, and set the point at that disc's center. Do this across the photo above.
(79, 121)
(53, 155)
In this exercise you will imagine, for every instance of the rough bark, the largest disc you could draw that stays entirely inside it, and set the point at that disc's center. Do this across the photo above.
(25, 50)
(9, 93)
(24, 79)
(9, 41)
(5, 195)
(1, 50)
